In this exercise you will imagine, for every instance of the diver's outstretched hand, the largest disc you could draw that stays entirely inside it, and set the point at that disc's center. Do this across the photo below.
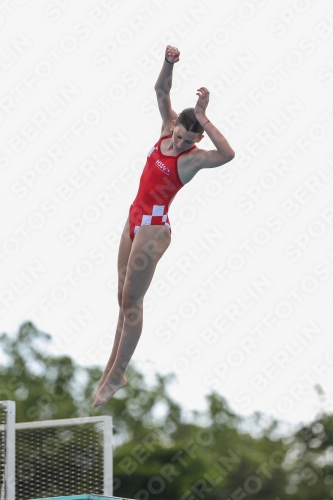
(202, 102)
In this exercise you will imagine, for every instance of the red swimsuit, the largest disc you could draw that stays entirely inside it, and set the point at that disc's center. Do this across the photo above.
(159, 183)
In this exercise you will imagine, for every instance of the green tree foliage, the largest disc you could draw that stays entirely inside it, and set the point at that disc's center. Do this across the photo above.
(312, 449)
(167, 457)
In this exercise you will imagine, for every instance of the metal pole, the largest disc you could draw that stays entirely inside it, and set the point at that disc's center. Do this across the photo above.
(108, 458)
(10, 450)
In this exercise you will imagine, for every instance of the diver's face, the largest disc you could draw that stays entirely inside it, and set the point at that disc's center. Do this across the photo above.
(182, 139)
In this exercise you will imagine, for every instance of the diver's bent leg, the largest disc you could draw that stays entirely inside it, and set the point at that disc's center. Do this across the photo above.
(141, 267)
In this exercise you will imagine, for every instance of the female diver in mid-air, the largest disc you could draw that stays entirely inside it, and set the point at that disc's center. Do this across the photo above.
(172, 162)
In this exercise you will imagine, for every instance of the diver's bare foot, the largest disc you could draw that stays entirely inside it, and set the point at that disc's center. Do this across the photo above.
(108, 390)
(101, 382)
(99, 387)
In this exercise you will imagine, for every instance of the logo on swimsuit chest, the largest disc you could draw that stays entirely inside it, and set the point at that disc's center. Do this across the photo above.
(163, 167)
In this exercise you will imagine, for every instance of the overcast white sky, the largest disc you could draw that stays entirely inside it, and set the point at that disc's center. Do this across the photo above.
(241, 301)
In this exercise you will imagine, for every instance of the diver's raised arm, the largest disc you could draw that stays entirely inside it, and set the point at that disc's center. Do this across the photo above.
(164, 80)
